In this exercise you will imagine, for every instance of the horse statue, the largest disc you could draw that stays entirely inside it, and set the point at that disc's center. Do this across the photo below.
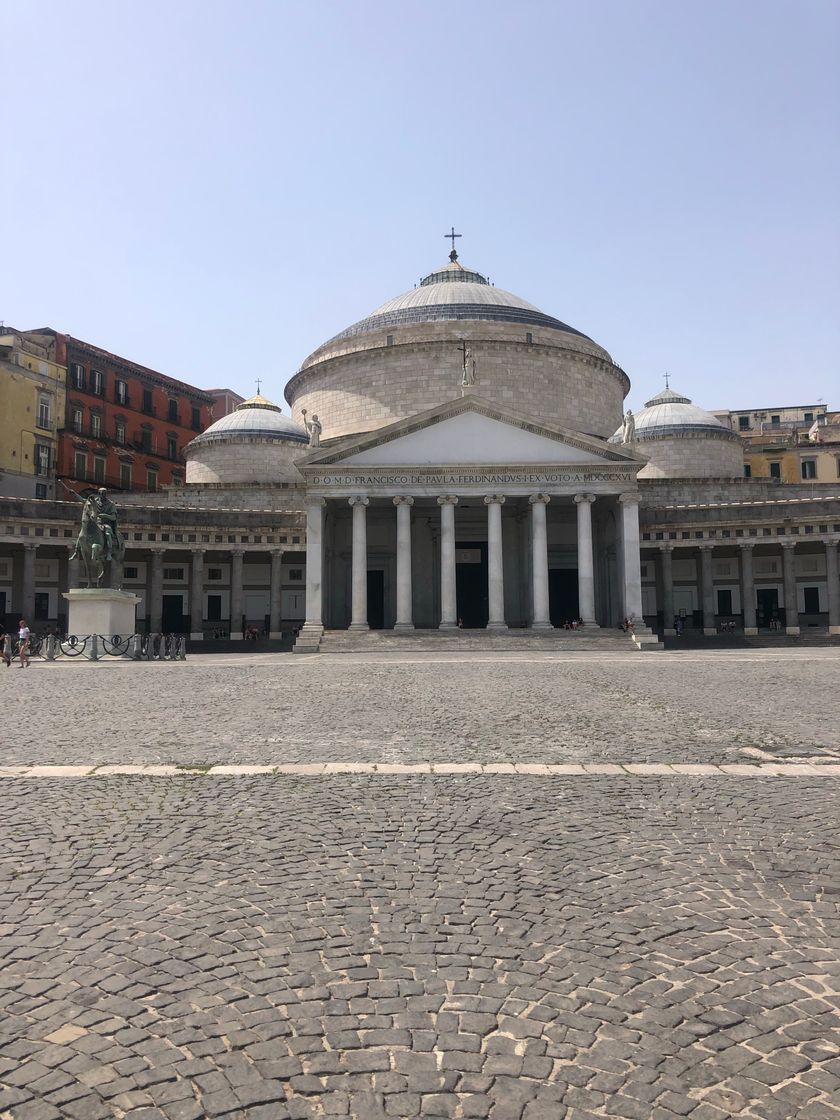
(99, 541)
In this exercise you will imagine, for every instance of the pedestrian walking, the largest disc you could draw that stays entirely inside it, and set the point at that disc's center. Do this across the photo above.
(23, 644)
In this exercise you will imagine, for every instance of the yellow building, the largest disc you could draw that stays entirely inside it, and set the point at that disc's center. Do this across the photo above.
(795, 443)
(32, 402)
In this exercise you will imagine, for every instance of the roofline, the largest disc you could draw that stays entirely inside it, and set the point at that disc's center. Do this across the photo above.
(767, 408)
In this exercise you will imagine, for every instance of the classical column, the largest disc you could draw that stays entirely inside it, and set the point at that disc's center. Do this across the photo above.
(495, 563)
(28, 597)
(666, 553)
(236, 559)
(748, 588)
(791, 605)
(275, 594)
(632, 576)
(707, 589)
(448, 595)
(72, 567)
(358, 617)
(197, 595)
(404, 604)
(313, 627)
(154, 609)
(833, 587)
(586, 560)
(539, 561)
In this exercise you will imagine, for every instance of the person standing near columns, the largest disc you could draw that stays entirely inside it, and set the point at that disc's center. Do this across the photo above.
(666, 553)
(748, 588)
(448, 590)
(791, 605)
(586, 561)
(405, 616)
(707, 589)
(631, 560)
(833, 587)
(539, 561)
(197, 596)
(359, 614)
(495, 563)
(155, 605)
(275, 594)
(236, 561)
(28, 596)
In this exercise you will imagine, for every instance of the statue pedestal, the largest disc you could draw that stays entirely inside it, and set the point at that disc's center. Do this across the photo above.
(101, 610)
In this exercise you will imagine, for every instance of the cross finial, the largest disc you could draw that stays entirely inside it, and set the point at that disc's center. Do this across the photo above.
(453, 256)
(667, 381)
(259, 382)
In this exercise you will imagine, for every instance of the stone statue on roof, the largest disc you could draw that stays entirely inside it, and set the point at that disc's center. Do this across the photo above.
(313, 427)
(628, 430)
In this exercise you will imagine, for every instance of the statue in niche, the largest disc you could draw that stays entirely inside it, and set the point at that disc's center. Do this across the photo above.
(313, 427)
(628, 430)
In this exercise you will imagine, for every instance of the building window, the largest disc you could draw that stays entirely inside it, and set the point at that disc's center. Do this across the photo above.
(42, 459)
(724, 602)
(177, 479)
(95, 425)
(121, 392)
(214, 608)
(214, 573)
(44, 412)
(775, 421)
(80, 465)
(811, 595)
(42, 606)
(295, 575)
(78, 419)
(147, 402)
(146, 438)
(743, 423)
(119, 431)
(77, 375)
(97, 382)
(151, 479)
(809, 469)
(173, 573)
(172, 447)
(41, 491)
(130, 573)
(389, 340)
(98, 469)
(196, 419)
(125, 476)
(775, 470)
(747, 470)
(808, 417)
(172, 413)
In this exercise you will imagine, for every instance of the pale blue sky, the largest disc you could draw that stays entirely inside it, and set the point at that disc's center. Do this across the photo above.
(215, 188)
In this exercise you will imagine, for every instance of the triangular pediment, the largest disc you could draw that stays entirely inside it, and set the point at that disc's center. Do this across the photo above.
(469, 431)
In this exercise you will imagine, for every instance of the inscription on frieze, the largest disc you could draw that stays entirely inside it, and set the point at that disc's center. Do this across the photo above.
(506, 478)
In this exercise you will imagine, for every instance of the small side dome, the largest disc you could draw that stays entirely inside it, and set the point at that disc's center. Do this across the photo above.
(258, 416)
(682, 440)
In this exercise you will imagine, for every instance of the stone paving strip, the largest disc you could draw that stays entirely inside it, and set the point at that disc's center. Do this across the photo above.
(389, 769)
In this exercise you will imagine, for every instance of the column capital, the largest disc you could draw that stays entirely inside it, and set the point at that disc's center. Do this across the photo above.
(447, 500)
(628, 499)
(706, 547)
(237, 551)
(400, 501)
(316, 503)
(665, 547)
(588, 498)
(198, 551)
(358, 500)
(539, 499)
(789, 544)
(747, 544)
(31, 546)
(278, 552)
(494, 500)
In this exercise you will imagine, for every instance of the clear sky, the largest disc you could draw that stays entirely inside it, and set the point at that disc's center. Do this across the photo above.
(214, 188)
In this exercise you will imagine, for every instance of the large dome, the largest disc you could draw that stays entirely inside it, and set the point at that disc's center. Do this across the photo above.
(453, 292)
(409, 355)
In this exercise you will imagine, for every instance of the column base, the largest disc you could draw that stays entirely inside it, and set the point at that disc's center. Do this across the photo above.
(834, 629)
(403, 627)
(448, 626)
(357, 626)
(497, 626)
(275, 635)
(197, 637)
(541, 626)
(589, 624)
(235, 638)
(669, 632)
(794, 630)
(709, 631)
(750, 631)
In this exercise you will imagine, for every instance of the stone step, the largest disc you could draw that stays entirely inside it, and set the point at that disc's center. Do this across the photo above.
(415, 641)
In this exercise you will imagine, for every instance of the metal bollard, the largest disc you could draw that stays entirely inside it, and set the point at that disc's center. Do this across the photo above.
(183, 649)
(50, 647)
(137, 647)
(94, 647)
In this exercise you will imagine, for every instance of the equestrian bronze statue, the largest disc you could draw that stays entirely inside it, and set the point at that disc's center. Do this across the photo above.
(100, 542)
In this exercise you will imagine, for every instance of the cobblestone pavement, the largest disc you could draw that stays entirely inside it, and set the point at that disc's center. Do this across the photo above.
(523, 946)
(703, 707)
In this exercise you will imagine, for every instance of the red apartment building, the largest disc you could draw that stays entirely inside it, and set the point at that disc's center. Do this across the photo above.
(126, 426)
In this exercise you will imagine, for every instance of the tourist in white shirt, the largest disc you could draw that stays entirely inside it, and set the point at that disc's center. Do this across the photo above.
(23, 643)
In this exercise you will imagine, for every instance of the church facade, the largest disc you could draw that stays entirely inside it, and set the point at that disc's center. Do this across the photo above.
(458, 459)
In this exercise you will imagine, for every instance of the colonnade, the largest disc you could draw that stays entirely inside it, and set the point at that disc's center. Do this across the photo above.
(748, 587)
(447, 504)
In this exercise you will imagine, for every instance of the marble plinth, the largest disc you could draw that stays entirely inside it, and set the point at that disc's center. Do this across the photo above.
(101, 610)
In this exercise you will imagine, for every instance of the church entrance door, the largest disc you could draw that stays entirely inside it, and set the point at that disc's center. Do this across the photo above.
(471, 584)
(767, 603)
(562, 595)
(376, 599)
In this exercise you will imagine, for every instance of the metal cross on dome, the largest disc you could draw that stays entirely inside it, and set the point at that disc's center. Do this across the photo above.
(453, 256)
(259, 382)
(667, 381)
